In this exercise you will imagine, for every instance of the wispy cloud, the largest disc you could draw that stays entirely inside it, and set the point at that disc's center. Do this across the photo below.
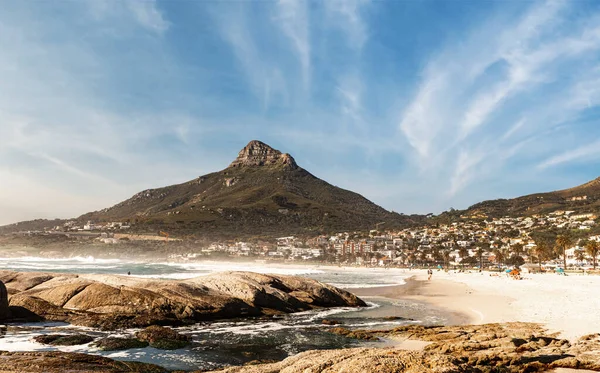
(350, 91)
(148, 15)
(488, 90)
(347, 16)
(585, 152)
(293, 18)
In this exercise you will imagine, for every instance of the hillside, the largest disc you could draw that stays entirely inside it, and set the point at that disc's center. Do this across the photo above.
(583, 198)
(263, 192)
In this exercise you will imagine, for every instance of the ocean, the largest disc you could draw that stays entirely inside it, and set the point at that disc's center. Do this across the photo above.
(232, 342)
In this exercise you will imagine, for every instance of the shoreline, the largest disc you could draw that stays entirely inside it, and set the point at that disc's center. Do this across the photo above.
(564, 305)
(441, 295)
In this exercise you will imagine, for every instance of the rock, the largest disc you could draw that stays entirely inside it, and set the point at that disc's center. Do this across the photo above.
(330, 322)
(453, 349)
(4, 310)
(117, 344)
(163, 338)
(355, 360)
(393, 318)
(111, 302)
(518, 342)
(257, 153)
(354, 334)
(60, 362)
(63, 340)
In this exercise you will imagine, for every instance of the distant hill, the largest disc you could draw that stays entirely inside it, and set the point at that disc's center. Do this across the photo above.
(32, 225)
(583, 198)
(263, 192)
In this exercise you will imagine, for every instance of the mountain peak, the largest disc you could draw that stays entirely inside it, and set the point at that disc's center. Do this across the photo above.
(257, 153)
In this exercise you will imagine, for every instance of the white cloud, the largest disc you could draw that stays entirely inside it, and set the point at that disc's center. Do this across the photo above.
(473, 92)
(585, 152)
(346, 15)
(465, 171)
(514, 129)
(422, 121)
(441, 101)
(350, 91)
(293, 19)
(526, 70)
(148, 15)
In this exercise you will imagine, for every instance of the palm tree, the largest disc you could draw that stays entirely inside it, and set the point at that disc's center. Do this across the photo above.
(592, 248)
(563, 243)
(579, 255)
(517, 249)
(499, 255)
(479, 254)
(446, 255)
(541, 251)
(437, 255)
(463, 253)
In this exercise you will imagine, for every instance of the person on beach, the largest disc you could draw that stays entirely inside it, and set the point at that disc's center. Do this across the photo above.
(430, 273)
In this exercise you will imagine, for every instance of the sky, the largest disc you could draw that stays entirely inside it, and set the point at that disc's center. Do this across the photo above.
(421, 106)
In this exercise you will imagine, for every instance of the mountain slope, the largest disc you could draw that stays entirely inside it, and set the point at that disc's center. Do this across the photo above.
(583, 198)
(263, 192)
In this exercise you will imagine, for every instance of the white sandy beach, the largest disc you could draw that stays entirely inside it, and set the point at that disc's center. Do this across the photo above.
(566, 304)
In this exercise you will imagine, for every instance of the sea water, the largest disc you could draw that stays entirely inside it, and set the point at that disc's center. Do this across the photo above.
(232, 342)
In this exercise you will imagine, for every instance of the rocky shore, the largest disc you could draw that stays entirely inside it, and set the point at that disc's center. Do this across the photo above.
(112, 302)
(510, 347)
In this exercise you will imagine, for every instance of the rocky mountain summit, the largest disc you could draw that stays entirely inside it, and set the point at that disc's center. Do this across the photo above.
(257, 154)
(112, 302)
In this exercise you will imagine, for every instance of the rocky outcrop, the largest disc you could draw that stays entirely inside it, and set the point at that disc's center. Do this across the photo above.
(257, 153)
(510, 348)
(60, 362)
(112, 302)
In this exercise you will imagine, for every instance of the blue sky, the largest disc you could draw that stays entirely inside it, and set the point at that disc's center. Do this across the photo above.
(418, 105)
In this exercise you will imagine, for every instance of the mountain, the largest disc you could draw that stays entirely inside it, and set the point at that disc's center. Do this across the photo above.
(583, 198)
(263, 192)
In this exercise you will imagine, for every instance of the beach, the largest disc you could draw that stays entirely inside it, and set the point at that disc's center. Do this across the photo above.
(564, 304)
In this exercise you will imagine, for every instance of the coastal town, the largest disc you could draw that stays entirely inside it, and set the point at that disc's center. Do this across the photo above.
(470, 242)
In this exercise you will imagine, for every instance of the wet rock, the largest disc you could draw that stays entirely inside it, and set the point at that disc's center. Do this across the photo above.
(354, 334)
(453, 349)
(393, 318)
(330, 322)
(63, 339)
(118, 344)
(163, 338)
(60, 362)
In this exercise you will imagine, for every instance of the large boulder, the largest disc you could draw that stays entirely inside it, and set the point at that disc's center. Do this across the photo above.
(112, 302)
